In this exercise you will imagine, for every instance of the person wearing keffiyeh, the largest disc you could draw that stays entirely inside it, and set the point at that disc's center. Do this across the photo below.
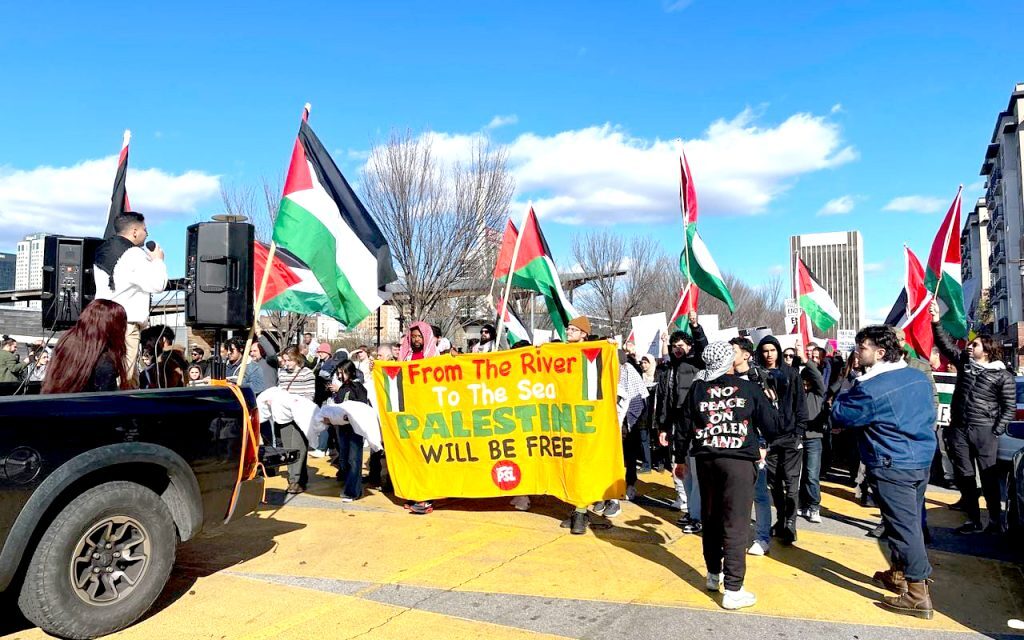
(724, 420)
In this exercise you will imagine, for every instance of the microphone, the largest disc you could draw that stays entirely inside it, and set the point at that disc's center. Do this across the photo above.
(151, 245)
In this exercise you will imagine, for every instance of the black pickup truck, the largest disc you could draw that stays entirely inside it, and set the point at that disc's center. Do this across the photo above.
(97, 489)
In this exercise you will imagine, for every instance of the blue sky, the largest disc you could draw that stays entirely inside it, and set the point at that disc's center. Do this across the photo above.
(783, 110)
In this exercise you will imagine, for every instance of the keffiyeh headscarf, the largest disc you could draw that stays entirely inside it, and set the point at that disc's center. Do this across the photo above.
(718, 358)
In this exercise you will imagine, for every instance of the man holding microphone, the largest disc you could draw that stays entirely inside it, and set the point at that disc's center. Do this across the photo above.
(128, 273)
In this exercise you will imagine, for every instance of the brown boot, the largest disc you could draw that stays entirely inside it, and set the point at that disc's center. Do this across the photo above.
(915, 602)
(893, 580)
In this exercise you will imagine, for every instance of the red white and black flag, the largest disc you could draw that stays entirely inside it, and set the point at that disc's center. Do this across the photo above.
(119, 198)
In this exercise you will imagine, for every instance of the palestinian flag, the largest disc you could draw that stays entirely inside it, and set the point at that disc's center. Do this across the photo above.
(910, 312)
(119, 198)
(593, 365)
(943, 275)
(678, 320)
(802, 328)
(535, 270)
(394, 393)
(323, 226)
(695, 261)
(513, 324)
(814, 300)
(290, 285)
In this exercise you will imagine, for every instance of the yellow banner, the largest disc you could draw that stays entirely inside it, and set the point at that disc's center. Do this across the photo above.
(534, 421)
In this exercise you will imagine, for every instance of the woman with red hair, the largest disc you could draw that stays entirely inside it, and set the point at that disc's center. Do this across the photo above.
(90, 356)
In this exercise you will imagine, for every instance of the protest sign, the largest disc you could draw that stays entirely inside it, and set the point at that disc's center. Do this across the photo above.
(756, 334)
(723, 335)
(944, 385)
(792, 314)
(541, 336)
(708, 322)
(534, 421)
(647, 332)
(787, 341)
(845, 341)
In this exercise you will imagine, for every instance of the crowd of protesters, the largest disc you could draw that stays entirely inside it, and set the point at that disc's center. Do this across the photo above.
(799, 411)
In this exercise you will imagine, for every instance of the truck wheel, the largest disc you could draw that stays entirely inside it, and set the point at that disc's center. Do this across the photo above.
(102, 562)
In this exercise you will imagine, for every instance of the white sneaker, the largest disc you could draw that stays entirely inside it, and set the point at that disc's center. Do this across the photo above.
(814, 515)
(759, 548)
(802, 513)
(599, 507)
(316, 453)
(612, 508)
(631, 492)
(714, 581)
(678, 505)
(521, 502)
(738, 599)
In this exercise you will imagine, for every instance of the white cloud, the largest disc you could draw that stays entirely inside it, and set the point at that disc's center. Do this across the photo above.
(836, 108)
(917, 204)
(672, 6)
(601, 174)
(874, 267)
(776, 269)
(74, 200)
(502, 121)
(837, 206)
(975, 187)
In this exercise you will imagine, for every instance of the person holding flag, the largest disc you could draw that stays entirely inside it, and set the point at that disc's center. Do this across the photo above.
(984, 403)
(675, 375)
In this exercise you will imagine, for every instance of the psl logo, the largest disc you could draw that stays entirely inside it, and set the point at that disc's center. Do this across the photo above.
(506, 475)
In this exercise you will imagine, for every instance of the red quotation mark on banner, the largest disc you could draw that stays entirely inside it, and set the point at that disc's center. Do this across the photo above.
(506, 475)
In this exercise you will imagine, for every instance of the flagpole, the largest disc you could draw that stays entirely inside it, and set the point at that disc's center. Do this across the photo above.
(263, 287)
(686, 223)
(945, 247)
(512, 266)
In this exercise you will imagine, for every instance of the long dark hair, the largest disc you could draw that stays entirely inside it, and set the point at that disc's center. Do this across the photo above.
(99, 331)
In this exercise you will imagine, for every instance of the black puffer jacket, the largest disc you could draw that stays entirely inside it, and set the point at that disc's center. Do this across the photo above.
(789, 390)
(985, 396)
(674, 377)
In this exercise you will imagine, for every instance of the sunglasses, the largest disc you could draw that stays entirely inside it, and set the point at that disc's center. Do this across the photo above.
(789, 356)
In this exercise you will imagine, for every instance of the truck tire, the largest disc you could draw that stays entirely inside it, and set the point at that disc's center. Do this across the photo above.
(101, 563)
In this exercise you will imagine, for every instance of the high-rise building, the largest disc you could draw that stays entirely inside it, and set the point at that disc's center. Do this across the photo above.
(974, 258)
(8, 270)
(837, 262)
(1003, 198)
(29, 270)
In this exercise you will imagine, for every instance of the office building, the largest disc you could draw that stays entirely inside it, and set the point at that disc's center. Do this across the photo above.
(29, 270)
(8, 270)
(837, 262)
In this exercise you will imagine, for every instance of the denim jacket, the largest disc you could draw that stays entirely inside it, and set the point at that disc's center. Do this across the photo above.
(892, 404)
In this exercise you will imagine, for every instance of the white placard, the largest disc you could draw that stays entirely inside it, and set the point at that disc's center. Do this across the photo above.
(540, 336)
(845, 340)
(787, 341)
(708, 322)
(792, 314)
(756, 334)
(723, 335)
(647, 332)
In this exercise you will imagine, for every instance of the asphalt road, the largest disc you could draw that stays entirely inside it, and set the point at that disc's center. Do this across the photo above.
(311, 566)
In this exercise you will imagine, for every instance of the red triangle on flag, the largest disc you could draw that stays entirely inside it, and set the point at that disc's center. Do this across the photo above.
(298, 171)
(281, 275)
(392, 372)
(591, 354)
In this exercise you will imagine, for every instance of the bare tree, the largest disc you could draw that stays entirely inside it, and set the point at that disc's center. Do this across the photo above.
(260, 204)
(437, 219)
(616, 298)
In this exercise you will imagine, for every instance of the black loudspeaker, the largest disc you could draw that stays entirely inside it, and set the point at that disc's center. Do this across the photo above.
(219, 275)
(68, 283)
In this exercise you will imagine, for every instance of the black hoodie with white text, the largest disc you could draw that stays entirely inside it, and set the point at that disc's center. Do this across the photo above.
(726, 417)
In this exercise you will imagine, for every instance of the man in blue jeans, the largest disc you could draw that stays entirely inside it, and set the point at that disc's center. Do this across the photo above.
(891, 405)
